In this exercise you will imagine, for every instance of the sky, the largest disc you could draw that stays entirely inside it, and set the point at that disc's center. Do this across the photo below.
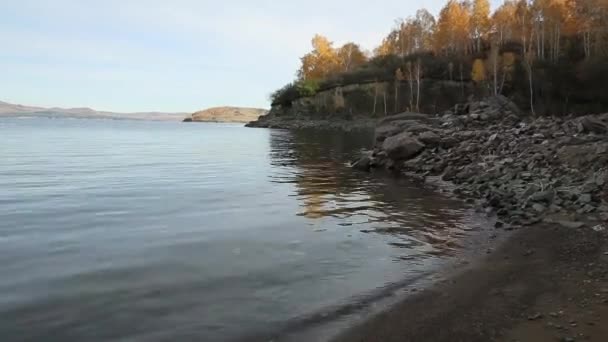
(173, 56)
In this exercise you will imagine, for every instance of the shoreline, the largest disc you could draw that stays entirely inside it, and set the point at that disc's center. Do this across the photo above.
(545, 283)
(474, 248)
(331, 322)
(544, 177)
(273, 121)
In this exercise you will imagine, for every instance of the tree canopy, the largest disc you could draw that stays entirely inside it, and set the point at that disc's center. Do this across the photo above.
(463, 38)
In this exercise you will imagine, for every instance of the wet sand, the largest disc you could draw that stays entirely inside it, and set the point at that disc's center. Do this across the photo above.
(544, 283)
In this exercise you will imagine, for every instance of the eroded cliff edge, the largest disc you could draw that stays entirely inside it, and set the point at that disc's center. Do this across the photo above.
(361, 105)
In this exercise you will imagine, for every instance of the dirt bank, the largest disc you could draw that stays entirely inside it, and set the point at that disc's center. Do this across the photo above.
(546, 283)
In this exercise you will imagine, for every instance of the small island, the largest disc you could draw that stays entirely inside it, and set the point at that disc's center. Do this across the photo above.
(226, 114)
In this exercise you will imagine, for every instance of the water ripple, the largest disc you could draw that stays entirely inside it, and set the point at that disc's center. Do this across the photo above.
(151, 231)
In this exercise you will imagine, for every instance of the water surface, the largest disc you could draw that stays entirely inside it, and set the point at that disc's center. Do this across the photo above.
(146, 231)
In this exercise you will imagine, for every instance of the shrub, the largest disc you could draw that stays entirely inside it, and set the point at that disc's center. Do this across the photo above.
(307, 88)
(285, 95)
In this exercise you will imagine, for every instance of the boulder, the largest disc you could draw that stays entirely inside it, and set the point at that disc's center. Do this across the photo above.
(386, 131)
(576, 155)
(591, 124)
(539, 208)
(402, 146)
(449, 142)
(429, 138)
(363, 164)
(404, 116)
(543, 196)
(503, 105)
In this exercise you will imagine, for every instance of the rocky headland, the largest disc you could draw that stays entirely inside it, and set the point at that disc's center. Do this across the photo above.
(522, 169)
(360, 105)
(302, 122)
(226, 114)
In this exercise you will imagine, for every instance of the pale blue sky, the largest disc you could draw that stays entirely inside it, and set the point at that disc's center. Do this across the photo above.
(178, 55)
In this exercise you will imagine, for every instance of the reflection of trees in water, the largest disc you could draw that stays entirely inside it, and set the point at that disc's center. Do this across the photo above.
(317, 166)
(315, 162)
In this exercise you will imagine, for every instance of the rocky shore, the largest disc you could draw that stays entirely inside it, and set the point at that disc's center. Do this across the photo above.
(522, 169)
(272, 120)
(547, 282)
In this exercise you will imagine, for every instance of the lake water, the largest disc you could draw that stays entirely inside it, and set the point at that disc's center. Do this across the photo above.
(152, 231)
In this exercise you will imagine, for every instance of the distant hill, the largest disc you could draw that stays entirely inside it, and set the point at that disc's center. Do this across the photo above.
(227, 114)
(16, 110)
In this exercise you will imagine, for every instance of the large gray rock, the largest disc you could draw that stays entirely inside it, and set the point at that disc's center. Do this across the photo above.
(543, 196)
(402, 146)
(405, 116)
(591, 124)
(429, 138)
(417, 128)
(580, 156)
(503, 104)
(396, 125)
(364, 163)
(386, 131)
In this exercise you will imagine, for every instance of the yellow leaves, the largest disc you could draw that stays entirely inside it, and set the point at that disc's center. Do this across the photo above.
(480, 17)
(478, 74)
(409, 36)
(508, 60)
(350, 57)
(399, 76)
(321, 62)
(324, 61)
(453, 27)
(508, 65)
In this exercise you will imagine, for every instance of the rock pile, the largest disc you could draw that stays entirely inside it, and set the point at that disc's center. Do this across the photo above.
(524, 170)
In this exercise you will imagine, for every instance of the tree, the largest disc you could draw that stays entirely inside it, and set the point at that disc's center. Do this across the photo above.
(399, 77)
(480, 21)
(523, 15)
(508, 60)
(410, 81)
(504, 22)
(424, 28)
(589, 19)
(350, 57)
(409, 36)
(389, 45)
(452, 33)
(321, 62)
(418, 73)
(478, 73)
(494, 60)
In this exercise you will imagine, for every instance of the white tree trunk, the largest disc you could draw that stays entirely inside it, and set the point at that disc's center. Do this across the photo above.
(384, 95)
(418, 87)
(411, 82)
(495, 57)
(375, 96)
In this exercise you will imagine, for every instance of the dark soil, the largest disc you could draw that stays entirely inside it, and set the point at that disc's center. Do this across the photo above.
(546, 283)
